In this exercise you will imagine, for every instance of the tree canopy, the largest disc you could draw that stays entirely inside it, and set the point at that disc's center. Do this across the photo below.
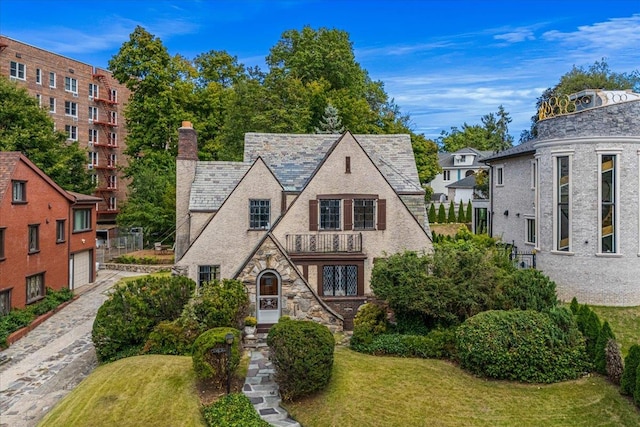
(492, 135)
(27, 128)
(312, 83)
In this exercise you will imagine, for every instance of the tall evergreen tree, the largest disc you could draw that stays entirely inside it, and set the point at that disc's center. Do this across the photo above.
(461, 215)
(330, 122)
(469, 216)
(452, 213)
(442, 216)
(432, 214)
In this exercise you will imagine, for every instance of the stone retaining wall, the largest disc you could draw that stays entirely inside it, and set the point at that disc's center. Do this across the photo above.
(137, 268)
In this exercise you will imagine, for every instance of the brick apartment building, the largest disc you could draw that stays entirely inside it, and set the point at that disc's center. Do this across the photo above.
(47, 234)
(86, 103)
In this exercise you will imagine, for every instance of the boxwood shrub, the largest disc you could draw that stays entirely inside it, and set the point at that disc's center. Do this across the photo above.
(213, 366)
(527, 289)
(170, 338)
(369, 322)
(521, 345)
(233, 410)
(221, 303)
(302, 355)
(133, 309)
(437, 344)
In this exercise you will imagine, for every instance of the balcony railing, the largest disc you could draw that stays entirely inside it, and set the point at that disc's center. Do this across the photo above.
(324, 243)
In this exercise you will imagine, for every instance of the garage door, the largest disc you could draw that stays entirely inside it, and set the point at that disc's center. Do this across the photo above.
(81, 269)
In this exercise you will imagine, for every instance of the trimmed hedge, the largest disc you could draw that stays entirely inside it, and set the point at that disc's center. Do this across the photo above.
(521, 345)
(134, 308)
(233, 410)
(437, 344)
(302, 355)
(213, 366)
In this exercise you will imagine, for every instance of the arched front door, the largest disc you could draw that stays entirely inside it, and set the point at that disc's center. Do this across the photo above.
(268, 294)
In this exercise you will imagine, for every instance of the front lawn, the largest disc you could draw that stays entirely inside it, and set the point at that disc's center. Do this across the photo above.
(136, 391)
(625, 323)
(388, 391)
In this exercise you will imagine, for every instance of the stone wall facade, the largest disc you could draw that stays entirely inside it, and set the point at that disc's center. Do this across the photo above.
(297, 300)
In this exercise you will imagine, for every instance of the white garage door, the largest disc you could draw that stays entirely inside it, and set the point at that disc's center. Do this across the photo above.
(81, 269)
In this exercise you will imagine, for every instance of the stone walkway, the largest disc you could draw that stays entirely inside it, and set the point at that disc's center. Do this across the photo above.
(46, 364)
(262, 390)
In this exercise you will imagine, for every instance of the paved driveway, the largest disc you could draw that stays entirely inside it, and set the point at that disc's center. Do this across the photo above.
(52, 359)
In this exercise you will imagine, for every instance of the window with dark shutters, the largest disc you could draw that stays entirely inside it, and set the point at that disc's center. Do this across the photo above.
(313, 215)
(382, 214)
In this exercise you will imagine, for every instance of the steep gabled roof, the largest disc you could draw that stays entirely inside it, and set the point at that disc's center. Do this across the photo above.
(213, 182)
(446, 160)
(8, 162)
(294, 157)
(466, 182)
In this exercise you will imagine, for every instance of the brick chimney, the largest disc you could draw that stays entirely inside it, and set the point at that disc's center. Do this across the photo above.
(186, 165)
(187, 142)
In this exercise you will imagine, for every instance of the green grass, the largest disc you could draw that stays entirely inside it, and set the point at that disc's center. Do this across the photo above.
(136, 391)
(387, 391)
(625, 323)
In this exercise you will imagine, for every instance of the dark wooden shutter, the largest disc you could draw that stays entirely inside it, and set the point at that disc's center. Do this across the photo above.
(313, 215)
(382, 214)
(348, 214)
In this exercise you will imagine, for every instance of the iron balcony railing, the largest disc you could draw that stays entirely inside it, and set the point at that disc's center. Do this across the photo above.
(324, 243)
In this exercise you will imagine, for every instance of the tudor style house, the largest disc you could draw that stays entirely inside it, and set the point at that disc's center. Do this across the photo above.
(47, 234)
(300, 221)
(572, 194)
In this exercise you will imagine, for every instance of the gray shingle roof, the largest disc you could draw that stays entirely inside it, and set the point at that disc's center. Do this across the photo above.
(446, 159)
(466, 182)
(294, 157)
(524, 148)
(213, 182)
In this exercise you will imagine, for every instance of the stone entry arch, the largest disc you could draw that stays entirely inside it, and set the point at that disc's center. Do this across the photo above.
(268, 290)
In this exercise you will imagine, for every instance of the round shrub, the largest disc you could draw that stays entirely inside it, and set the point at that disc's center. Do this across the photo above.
(302, 355)
(370, 321)
(170, 338)
(213, 366)
(527, 289)
(631, 363)
(124, 321)
(232, 410)
(520, 345)
(224, 303)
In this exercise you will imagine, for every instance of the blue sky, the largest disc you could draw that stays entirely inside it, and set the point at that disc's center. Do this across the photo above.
(444, 63)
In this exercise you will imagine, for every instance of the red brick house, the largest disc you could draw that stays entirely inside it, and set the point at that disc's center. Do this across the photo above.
(47, 234)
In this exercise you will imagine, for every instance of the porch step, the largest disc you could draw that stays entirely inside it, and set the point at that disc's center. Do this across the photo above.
(255, 342)
(263, 328)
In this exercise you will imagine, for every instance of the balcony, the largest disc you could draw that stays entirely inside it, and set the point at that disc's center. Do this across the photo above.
(323, 243)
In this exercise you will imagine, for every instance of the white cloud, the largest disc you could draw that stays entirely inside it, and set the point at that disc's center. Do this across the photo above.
(524, 34)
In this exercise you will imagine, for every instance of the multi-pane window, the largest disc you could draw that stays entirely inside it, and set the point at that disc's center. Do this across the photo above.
(35, 288)
(112, 161)
(34, 238)
(340, 280)
(113, 204)
(113, 139)
(71, 108)
(93, 158)
(562, 203)
(112, 182)
(208, 273)
(330, 214)
(52, 104)
(446, 175)
(113, 95)
(17, 70)
(5, 302)
(93, 114)
(52, 79)
(2, 238)
(38, 76)
(81, 220)
(93, 90)
(71, 85)
(364, 212)
(19, 191)
(499, 175)
(94, 179)
(60, 230)
(113, 118)
(608, 186)
(259, 214)
(531, 230)
(72, 132)
(93, 136)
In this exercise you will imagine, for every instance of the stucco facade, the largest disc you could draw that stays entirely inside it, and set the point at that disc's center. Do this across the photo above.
(587, 202)
(310, 219)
